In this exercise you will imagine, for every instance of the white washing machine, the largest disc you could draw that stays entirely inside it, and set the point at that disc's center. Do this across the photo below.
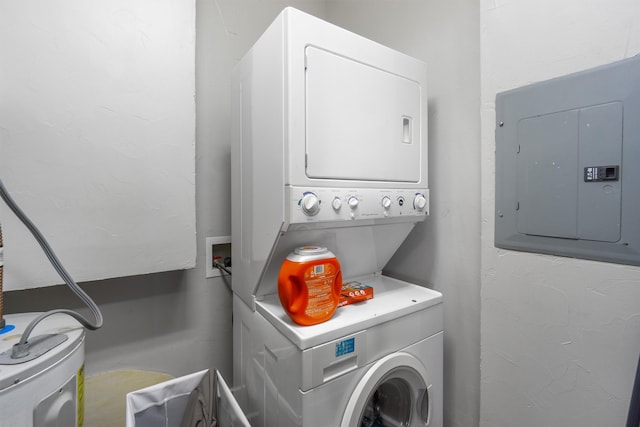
(329, 148)
(375, 363)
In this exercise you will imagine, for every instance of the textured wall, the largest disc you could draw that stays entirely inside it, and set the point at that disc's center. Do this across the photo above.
(179, 322)
(560, 337)
(97, 135)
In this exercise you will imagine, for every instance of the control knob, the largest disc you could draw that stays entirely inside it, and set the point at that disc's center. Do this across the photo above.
(353, 202)
(386, 203)
(336, 204)
(419, 202)
(310, 204)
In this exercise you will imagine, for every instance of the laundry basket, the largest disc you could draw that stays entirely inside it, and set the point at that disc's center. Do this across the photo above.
(200, 399)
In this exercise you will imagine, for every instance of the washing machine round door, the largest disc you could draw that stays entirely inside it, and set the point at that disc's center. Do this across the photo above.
(394, 392)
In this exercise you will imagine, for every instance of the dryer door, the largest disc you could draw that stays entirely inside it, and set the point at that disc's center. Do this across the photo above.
(393, 393)
(362, 123)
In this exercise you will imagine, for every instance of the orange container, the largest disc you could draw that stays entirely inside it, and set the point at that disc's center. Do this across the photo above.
(309, 285)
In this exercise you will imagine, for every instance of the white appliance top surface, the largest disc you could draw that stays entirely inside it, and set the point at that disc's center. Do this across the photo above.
(392, 298)
(58, 324)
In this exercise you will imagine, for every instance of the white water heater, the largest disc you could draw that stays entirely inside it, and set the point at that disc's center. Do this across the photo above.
(46, 388)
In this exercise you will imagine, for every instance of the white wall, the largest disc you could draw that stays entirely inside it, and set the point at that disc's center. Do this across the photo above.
(443, 252)
(97, 137)
(560, 337)
(178, 322)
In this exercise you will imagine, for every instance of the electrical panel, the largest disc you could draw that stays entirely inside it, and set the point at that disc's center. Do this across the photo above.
(568, 165)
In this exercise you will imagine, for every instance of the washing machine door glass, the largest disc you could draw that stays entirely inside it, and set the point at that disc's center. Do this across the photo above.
(393, 393)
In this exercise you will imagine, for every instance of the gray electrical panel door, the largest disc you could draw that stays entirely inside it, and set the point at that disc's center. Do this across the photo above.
(567, 165)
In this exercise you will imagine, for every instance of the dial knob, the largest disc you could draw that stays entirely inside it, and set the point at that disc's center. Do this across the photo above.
(386, 203)
(310, 204)
(336, 204)
(419, 202)
(353, 202)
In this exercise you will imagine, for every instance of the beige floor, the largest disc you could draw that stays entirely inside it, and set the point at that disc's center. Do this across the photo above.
(104, 395)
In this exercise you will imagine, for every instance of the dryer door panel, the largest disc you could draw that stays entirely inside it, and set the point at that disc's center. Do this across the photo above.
(344, 140)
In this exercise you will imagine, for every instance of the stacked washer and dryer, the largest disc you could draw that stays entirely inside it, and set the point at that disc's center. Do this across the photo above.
(329, 148)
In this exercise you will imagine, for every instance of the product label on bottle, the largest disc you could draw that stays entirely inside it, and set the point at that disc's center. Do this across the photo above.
(319, 280)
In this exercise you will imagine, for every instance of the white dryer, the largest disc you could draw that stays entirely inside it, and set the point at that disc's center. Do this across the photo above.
(329, 148)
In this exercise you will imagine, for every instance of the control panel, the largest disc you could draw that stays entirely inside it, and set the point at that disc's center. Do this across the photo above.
(319, 204)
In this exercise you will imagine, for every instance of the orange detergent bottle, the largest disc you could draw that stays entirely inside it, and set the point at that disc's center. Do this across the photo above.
(309, 285)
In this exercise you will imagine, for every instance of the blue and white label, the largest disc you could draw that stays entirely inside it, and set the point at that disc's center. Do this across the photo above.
(345, 347)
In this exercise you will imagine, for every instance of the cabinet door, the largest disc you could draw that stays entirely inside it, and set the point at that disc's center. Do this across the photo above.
(362, 123)
(97, 137)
